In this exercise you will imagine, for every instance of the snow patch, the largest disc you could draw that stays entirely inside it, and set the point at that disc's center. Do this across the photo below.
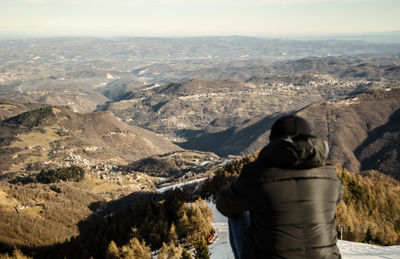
(221, 248)
(179, 185)
(141, 72)
(152, 87)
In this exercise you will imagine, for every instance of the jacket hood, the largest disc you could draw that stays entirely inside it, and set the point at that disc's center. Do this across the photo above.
(300, 152)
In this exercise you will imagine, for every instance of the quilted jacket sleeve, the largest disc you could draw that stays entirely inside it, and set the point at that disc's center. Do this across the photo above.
(232, 200)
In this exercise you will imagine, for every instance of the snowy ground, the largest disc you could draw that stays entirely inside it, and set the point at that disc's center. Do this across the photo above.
(351, 250)
(220, 249)
(179, 185)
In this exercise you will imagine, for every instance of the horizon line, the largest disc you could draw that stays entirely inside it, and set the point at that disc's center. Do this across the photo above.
(394, 33)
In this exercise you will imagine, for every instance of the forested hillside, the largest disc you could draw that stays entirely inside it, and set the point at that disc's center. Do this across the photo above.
(179, 220)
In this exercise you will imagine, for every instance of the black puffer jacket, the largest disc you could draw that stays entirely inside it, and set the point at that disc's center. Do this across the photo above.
(291, 194)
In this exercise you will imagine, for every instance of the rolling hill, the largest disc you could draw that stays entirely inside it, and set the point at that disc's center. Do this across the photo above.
(55, 136)
(184, 109)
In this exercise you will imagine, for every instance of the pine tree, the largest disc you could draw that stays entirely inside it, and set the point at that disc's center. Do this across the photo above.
(15, 255)
(170, 251)
(186, 255)
(172, 236)
(183, 223)
(135, 249)
(201, 251)
(199, 224)
(112, 251)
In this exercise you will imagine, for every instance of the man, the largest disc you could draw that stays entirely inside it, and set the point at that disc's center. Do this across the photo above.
(290, 193)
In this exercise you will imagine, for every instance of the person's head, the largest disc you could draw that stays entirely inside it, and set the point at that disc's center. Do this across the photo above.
(289, 125)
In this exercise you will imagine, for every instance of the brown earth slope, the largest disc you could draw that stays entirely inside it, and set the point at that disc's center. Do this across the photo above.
(362, 131)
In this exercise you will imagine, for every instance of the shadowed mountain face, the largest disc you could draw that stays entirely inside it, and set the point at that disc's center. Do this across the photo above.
(247, 138)
(381, 149)
(350, 126)
(362, 131)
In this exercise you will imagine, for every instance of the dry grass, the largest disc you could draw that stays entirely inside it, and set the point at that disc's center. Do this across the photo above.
(34, 146)
(6, 201)
(37, 138)
(98, 186)
(36, 210)
(44, 214)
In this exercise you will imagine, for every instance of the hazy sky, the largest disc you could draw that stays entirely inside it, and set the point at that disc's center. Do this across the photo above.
(196, 17)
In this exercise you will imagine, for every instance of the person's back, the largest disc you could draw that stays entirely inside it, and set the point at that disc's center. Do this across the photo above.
(291, 195)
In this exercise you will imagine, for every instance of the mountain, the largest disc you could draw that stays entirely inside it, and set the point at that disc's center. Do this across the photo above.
(363, 131)
(79, 94)
(218, 99)
(344, 67)
(182, 110)
(84, 91)
(55, 136)
(246, 138)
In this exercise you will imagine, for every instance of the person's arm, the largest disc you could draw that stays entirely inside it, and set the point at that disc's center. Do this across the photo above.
(232, 200)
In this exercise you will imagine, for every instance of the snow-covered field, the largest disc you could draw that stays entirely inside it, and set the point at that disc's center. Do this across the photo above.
(221, 249)
(351, 250)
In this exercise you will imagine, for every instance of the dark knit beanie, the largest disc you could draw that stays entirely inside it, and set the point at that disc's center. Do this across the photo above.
(288, 126)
